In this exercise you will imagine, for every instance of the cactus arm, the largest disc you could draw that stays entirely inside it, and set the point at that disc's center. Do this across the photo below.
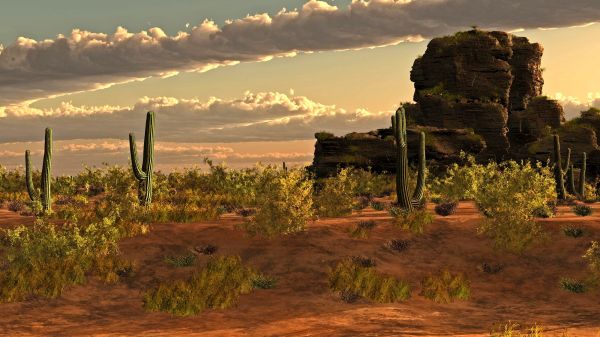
(402, 194)
(28, 178)
(582, 177)
(558, 172)
(148, 161)
(47, 172)
(135, 165)
(418, 194)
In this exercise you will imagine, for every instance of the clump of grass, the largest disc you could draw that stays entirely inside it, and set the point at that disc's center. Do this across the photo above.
(216, 286)
(574, 232)
(490, 268)
(363, 261)
(572, 285)
(348, 296)
(260, 281)
(206, 249)
(414, 221)
(378, 206)
(582, 210)
(511, 329)
(397, 245)
(179, 261)
(363, 229)
(362, 202)
(446, 208)
(445, 287)
(352, 277)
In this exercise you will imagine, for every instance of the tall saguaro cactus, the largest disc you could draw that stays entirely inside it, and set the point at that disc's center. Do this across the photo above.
(144, 173)
(558, 169)
(404, 199)
(582, 177)
(44, 195)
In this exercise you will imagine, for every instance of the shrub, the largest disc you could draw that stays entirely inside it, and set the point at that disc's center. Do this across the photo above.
(592, 256)
(336, 198)
(284, 203)
(181, 260)
(348, 296)
(361, 203)
(547, 211)
(218, 285)
(245, 212)
(574, 232)
(363, 261)
(490, 268)
(414, 221)
(206, 249)
(260, 281)
(446, 208)
(513, 330)
(397, 245)
(582, 210)
(16, 206)
(445, 287)
(572, 285)
(363, 229)
(352, 278)
(372, 184)
(378, 206)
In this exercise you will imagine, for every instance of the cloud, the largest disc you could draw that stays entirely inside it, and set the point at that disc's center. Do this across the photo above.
(264, 116)
(83, 61)
(573, 106)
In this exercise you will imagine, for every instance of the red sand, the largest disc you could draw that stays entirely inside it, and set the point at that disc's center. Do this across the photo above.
(526, 291)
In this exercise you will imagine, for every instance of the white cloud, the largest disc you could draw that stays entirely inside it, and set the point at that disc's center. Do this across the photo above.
(573, 106)
(83, 60)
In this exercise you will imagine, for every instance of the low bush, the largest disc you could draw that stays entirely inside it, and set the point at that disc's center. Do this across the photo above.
(397, 245)
(16, 206)
(336, 198)
(445, 287)
(363, 229)
(218, 285)
(446, 208)
(490, 268)
(186, 260)
(574, 232)
(206, 249)
(260, 281)
(378, 206)
(582, 210)
(352, 277)
(592, 256)
(511, 329)
(572, 285)
(414, 221)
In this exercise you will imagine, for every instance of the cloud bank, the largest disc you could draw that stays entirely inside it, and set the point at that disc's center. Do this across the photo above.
(573, 106)
(32, 70)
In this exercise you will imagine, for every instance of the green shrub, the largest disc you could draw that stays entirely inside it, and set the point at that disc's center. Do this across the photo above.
(336, 198)
(572, 285)
(372, 184)
(445, 287)
(363, 229)
(216, 286)
(44, 259)
(592, 256)
(284, 203)
(414, 221)
(582, 210)
(378, 206)
(260, 281)
(574, 232)
(352, 277)
(181, 260)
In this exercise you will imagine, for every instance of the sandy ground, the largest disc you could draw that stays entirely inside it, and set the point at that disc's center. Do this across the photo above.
(525, 291)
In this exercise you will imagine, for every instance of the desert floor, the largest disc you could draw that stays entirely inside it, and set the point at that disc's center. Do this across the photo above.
(525, 291)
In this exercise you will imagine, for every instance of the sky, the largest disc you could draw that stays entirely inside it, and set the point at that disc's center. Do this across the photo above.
(243, 81)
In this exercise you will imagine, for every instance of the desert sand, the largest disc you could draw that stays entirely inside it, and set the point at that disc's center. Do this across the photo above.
(525, 291)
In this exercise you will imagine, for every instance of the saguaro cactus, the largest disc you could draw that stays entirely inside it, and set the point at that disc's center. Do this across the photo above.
(558, 170)
(582, 177)
(404, 199)
(571, 180)
(44, 195)
(144, 174)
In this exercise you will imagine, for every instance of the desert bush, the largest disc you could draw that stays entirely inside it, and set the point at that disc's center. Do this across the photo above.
(582, 210)
(348, 296)
(351, 277)
(592, 256)
(369, 183)
(218, 285)
(378, 206)
(284, 202)
(445, 287)
(461, 182)
(397, 245)
(490, 268)
(16, 206)
(361, 203)
(179, 261)
(414, 221)
(336, 198)
(511, 329)
(574, 232)
(44, 259)
(547, 211)
(363, 261)
(362, 230)
(260, 281)
(572, 285)
(446, 208)
(206, 249)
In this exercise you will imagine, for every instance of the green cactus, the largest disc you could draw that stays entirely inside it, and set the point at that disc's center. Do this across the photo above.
(145, 173)
(44, 195)
(399, 129)
(558, 170)
(582, 177)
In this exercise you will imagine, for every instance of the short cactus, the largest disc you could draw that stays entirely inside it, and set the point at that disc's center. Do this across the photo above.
(44, 195)
(144, 174)
(405, 201)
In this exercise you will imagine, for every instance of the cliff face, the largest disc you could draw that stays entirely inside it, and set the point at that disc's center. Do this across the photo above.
(478, 80)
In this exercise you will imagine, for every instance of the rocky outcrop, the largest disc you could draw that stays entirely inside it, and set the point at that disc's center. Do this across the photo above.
(376, 149)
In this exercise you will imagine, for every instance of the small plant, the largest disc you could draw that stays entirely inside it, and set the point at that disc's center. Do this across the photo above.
(349, 296)
(378, 206)
(446, 208)
(582, 210)
(445, 287)
(362, 202)
(397, 245)
(572, 285)
(181, 260)
(351, 277)
(363, 229)
(16, 206)
(216, 286)
(206, 249)
(592, 256)
(511, 329)
(414, 221)
(490, 268)
(363, 261)
(260, 281)
(574, 232)
(246, 212)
